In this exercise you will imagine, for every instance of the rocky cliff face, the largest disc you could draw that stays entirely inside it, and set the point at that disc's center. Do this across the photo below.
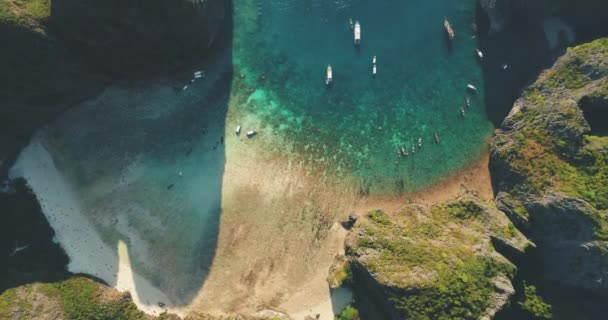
(433, 263)
(127, 37)
(550, 167)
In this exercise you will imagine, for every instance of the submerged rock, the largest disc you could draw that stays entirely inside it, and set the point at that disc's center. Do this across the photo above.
(433, 263)
(498, 12)
(551, 173)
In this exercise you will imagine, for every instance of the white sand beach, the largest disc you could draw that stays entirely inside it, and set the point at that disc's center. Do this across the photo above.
(88, 253)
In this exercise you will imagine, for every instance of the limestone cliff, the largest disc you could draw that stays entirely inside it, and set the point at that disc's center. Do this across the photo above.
(550, 166)
(130, 37)
(433, 263)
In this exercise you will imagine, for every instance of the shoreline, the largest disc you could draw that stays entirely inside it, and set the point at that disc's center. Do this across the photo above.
(112, 265)
(87, 252)
(475, 178)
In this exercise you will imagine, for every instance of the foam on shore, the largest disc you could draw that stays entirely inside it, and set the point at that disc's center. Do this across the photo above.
(87, 252)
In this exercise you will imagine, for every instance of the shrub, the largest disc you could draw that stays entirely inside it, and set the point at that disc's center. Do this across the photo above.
(534, 304)
(379, 217)
(465, 209)
(349, 313)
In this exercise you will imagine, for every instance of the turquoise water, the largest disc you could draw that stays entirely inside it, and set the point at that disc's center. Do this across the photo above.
(282, 48)
(146, 162)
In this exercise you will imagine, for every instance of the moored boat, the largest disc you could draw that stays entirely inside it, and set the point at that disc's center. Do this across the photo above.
(330, 76)
(357, 33)
(448, 29)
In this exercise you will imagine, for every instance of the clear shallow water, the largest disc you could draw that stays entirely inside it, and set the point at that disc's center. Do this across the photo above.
(282, 48)
(146, 164)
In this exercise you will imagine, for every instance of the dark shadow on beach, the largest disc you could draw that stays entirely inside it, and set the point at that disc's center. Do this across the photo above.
(169, 139)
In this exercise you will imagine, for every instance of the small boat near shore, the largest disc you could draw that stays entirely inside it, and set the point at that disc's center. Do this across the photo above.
(437, 138)
(357, 33)
(238, 130)
(374, 70)
(479, 53)
(251, 134)
(330, 76)
(472, 87)
(448, 29)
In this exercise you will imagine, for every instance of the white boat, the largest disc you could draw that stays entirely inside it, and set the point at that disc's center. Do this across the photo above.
(374, 60)
(198, 76)
(357, 33)
(238, 130)
(330, 75)
(374, 70)
(479, 54)
(251, 133)
(471, 87)
(185, 88)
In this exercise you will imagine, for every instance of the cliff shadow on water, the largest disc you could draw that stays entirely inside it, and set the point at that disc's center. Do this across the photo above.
(141, 164)
(534, 35)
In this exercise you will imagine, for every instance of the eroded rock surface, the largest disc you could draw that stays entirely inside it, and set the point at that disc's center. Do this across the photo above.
(551, 173)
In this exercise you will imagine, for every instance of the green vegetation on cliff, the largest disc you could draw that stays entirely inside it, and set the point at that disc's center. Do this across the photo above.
(535, 304)
(436, 263)
(548, 143)
(349, 313)
(464, 292)
(75, 298)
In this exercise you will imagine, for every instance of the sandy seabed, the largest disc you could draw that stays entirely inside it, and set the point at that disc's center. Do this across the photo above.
(77, 236)
(274, 247)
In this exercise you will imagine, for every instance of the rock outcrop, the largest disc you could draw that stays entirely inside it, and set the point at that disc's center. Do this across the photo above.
(433, 263)
(551, 171)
